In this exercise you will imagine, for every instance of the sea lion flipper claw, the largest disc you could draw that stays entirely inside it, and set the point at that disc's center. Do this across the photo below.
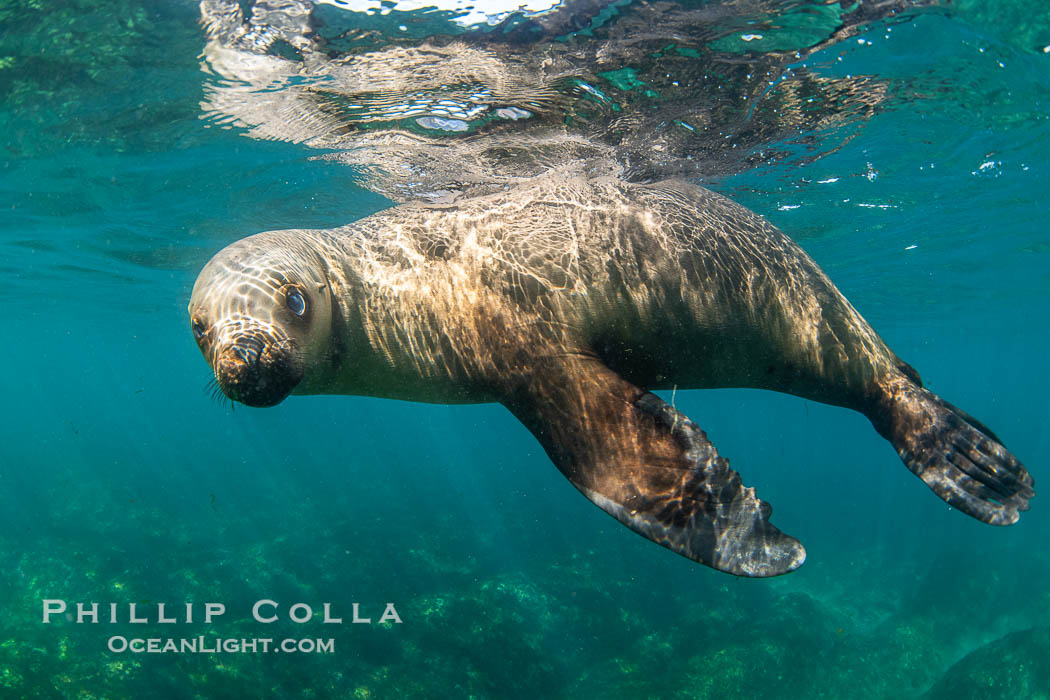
(649, 466)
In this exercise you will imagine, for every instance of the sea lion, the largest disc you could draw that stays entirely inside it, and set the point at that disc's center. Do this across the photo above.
(568, 299)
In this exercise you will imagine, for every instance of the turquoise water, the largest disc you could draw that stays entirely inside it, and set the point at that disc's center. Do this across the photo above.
(122, 481)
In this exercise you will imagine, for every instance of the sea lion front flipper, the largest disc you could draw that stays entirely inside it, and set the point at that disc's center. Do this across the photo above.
(650, 467)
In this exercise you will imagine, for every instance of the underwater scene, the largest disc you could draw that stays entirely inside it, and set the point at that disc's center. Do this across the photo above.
(382, 536)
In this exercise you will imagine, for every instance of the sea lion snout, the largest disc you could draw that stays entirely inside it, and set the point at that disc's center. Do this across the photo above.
(257, 372)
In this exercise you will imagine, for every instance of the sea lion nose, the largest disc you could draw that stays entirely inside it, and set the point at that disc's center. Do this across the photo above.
(236, 369)
(256, 373)
(248, 350)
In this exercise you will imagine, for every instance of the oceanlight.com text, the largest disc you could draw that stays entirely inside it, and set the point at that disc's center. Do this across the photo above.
(218, 645)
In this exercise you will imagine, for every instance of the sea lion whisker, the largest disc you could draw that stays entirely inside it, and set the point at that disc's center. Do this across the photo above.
(216, 394)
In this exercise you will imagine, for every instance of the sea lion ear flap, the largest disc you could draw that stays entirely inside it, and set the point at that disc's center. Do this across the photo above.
(650, 467)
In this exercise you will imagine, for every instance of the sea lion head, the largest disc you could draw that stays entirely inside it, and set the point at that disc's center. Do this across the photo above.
(261, 313)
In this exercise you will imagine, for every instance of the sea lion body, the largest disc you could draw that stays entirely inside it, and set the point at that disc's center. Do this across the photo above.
(667, 297)
(568, 299)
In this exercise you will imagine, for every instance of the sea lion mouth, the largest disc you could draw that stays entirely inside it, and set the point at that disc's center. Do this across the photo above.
(257, 372)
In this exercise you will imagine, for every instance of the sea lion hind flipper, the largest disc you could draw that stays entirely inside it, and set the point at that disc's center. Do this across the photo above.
(653, 469)
(956, 455)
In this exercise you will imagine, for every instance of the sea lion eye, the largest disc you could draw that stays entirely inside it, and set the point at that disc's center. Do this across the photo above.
(296, 302)
(198, 328)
